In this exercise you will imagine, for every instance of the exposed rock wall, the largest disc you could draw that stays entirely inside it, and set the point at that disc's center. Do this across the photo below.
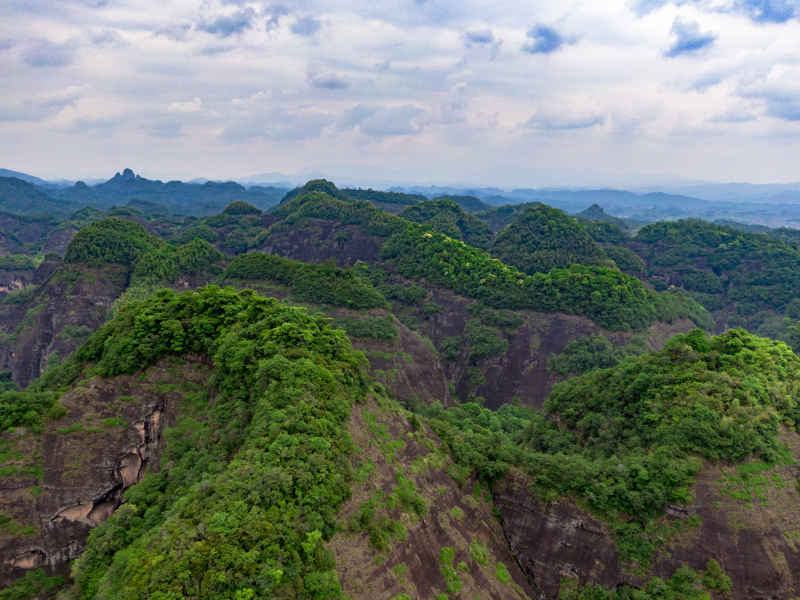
(752, 530)
(72, 477)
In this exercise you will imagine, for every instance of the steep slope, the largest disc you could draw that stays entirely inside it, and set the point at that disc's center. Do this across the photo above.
(411, 528)
(104, 260)
(56, 317)
(66, 473)
(314, 226)
(403, 360)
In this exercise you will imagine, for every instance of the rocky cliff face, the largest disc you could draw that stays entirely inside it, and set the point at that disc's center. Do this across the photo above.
(554, 540)
(744, 517)
(72, 302)
(60, 484)
(319, 240)
(521, 371)
(450, 544)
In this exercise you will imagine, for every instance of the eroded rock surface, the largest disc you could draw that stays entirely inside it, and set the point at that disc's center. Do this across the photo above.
(751, 529)
(72, 477)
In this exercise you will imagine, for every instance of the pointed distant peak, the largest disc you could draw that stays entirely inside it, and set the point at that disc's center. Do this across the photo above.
(126, 175)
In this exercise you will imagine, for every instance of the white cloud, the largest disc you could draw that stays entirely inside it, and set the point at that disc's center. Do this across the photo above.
(437, 90)
(186, 106)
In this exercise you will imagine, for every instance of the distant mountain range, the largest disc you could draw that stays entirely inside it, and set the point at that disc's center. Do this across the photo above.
(26, 197)
(775, 205)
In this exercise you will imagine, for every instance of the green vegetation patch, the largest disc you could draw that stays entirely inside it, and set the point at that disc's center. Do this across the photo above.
(320, 284)
(168, 263)
(685, 584)
(607, 296)
(451, 578)
(376, 328)
(110, 241)
(28, 409)
(34, 584)
(721, 265)
(544, 238)
(484, 342)
(593, 352)
(19, 262)
(479, 553)
(502, 574)
(449, 218)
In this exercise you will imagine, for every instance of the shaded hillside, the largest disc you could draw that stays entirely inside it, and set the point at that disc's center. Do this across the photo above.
(393, 202)
(447, 217)
(500, 359)
(313, 469)
(733, 273)
(499, 217)
(42, 325)
(467, 203)
(22, 198)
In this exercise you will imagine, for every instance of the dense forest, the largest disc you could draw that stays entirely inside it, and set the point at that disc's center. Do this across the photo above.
(437, 377)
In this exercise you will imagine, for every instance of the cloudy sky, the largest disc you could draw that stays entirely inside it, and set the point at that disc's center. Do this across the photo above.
(493, 92)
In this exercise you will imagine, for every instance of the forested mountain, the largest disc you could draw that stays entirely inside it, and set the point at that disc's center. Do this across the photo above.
(467, 203)
(178, 197)
(393, 202)
(447, 217)
(22, 176)
(543, 238)
(23, 198)
(127, 188)
(329, 400)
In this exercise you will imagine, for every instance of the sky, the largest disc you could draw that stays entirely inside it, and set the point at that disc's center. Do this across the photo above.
(467, 92)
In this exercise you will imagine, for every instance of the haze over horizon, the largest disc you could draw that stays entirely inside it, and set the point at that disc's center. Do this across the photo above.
(624, 93)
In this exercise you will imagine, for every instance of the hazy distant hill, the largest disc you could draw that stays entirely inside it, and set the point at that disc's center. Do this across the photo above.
(468, 203)
(22, 198)
(22, 176)
(176, 196)
(774, 193)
